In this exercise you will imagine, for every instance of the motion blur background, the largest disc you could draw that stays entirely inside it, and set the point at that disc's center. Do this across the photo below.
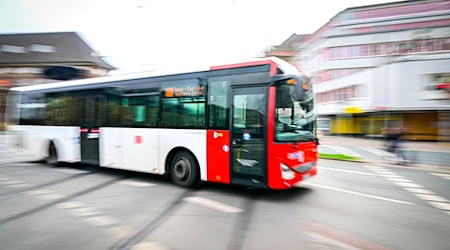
(374, 64)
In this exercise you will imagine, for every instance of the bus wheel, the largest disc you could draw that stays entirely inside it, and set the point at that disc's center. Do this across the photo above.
(184, 170)
(52, 158)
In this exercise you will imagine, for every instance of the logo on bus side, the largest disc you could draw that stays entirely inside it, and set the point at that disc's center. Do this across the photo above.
(300, 156)
(217, 135)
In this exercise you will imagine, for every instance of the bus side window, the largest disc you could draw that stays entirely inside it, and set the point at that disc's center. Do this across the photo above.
(183, 104)
(140, 111)
(218, 102)
(32, 109)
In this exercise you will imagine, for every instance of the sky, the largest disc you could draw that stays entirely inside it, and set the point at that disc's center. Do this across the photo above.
(137, 35)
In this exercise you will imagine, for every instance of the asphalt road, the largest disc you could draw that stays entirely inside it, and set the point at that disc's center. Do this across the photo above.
(347, 206)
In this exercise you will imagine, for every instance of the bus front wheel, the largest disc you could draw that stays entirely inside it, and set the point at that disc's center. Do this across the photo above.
(184, 169)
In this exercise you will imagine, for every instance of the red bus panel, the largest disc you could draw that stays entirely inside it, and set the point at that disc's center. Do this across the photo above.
(218, 156)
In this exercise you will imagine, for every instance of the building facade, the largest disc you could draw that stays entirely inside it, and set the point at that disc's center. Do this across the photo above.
(39, 58)
(380, 66)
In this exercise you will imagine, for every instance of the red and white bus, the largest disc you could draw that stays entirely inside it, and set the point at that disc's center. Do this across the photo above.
(249, 123)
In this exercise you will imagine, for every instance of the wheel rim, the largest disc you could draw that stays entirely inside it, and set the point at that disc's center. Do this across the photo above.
(182, 169)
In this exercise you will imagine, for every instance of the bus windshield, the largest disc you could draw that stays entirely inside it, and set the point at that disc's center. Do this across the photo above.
(294, 120)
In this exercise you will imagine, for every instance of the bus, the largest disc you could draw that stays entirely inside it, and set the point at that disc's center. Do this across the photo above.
(251, 123)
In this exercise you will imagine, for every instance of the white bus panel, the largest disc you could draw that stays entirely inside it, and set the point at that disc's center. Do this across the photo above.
(146, 149)
(36, 140)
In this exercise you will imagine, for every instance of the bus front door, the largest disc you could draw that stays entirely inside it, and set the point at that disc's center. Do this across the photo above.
(93, 110)
(248, 144)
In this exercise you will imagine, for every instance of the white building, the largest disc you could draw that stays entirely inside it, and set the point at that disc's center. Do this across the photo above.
(377, 65)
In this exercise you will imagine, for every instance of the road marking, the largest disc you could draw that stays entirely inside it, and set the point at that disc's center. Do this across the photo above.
(431, 197)
(328, 242)
(386, 173)
(152, 245)
(10, 182)
(19, 185)
(347, 171)
(417, 190)
(83, 211)
(49, 196)
(99, 221)
(409, 184)
(398, 179)
(39, 192)
(121, 232)
(358, 193)
(441, 205)
(222, 207)
(445, 176)
(70, 204)
(135, 183)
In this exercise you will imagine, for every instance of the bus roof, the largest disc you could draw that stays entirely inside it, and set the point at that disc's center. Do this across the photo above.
(275, 63)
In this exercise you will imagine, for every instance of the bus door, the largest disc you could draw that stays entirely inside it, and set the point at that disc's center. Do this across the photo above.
(248, 144)
(93, 110)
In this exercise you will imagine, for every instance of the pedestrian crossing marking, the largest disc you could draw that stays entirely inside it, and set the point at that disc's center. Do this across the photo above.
(417, 190)
(445, 176)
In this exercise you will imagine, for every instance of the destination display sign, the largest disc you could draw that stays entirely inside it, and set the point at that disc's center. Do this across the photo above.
(184, 90)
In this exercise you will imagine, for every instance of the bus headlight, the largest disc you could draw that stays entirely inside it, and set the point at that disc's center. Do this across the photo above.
(303, 168)
(286, 172)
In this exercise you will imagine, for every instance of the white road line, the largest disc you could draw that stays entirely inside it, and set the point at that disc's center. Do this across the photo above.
(83, 211)
(70, 204)
(441, 205)
(10, 182)
(431, 197)
(19, 185)
(386, 173)
(134, 183)
(39, 192)
(153, 245)
(121, 232)
(358, 193)
(409, 184)
(445, 176)
(49, 196)
(398, 179)
(99, 221)
(327, 242)
(419, 190)
(222, 207)
(346, 171)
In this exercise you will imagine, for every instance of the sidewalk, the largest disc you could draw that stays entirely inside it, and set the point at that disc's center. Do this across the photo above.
(379, 143)
(423, 154)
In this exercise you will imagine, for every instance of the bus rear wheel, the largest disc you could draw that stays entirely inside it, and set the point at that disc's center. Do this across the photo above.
(52, 158)
(184, 170)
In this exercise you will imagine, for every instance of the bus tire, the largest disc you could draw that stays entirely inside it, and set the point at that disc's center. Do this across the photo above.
(184, 170)
(52, 158)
